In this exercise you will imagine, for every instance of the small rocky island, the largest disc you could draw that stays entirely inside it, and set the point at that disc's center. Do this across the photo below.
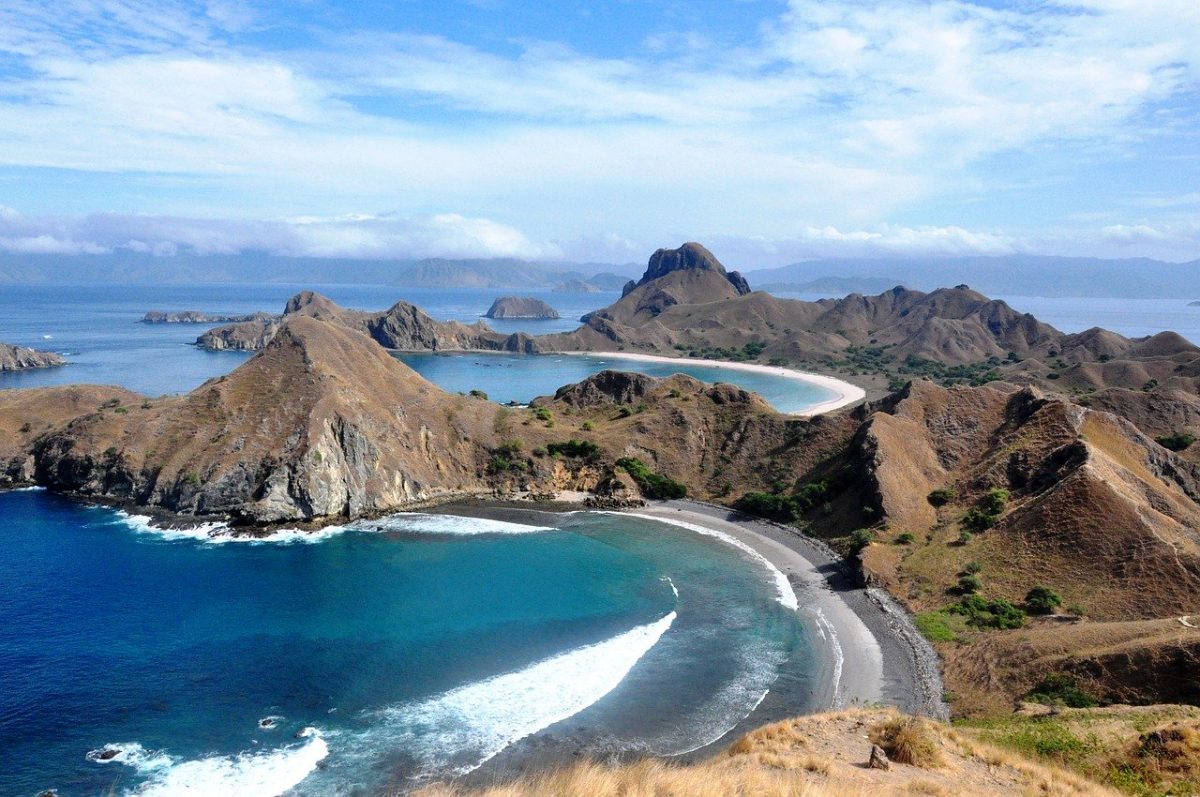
(197, 317)
(19, 358)
(512, 307)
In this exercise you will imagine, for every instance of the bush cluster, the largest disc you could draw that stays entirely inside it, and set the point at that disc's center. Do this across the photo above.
(983, 613)
(576, 449)
(653, 485)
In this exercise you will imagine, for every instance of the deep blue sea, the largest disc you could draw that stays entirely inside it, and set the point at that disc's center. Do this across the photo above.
(410, 646)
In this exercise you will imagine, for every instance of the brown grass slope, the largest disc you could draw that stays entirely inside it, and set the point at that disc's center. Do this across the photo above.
(822, 755)
(1098, 511)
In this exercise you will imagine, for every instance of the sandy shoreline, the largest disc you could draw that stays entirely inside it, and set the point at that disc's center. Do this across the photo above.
(872, 652)
(847, 393)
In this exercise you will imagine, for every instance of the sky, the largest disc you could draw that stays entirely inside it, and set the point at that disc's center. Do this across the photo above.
(599, 131)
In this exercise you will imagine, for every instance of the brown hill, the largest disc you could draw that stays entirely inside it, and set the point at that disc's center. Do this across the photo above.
(18, 358)
(689, 275)
(322, 423)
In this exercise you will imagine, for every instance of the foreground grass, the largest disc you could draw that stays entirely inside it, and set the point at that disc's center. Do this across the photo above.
(822, 755)
(1149, 751)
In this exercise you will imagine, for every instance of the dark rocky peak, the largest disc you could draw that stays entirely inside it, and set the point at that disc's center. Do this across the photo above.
(689, 257)
(607, 387)
(311, 303)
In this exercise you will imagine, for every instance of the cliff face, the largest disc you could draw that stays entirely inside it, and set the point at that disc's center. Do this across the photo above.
(520, 307)
(18, 358)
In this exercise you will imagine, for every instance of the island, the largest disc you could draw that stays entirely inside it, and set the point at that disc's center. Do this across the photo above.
(514, 307)
(576, 286)
(197, 317)
(19, 358)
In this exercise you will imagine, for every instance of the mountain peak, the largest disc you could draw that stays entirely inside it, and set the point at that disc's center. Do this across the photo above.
(690, 257)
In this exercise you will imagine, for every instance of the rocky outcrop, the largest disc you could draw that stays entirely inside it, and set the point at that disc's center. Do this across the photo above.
(197, 317)
(513, 307)
(689, 275)
(19, 358)
(403, 327)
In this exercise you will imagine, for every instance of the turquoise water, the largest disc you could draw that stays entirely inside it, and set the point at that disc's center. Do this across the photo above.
(517, 377)
(416, 645)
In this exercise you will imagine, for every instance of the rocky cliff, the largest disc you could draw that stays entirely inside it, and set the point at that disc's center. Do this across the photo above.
(18, 358)
(520, 307)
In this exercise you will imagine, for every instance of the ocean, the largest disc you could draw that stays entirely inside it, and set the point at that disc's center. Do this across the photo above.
(360, 658)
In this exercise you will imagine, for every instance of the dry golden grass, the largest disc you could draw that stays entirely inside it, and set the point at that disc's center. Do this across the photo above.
(818, 756)
(908, 740)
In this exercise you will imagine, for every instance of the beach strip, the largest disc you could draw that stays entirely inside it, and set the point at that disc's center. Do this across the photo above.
(847, 393)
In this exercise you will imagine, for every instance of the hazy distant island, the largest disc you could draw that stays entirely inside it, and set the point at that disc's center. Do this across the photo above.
(196, 317)
(507, 307)
(19, 358)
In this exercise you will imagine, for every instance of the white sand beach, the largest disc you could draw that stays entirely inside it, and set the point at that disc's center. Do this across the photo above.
(847, 393)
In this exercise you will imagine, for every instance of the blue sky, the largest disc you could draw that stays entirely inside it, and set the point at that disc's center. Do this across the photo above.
(773, 131)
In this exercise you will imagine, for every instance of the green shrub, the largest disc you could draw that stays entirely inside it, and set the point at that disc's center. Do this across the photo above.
(983, 613)
(577, 449)
(479, 394)
(624, 412)
(941, 496)
(768, 505)
(192, 478)
(964, 537)
(905, 538)
(588, 426)
(1058, 689)
(653, 485)
(977, 520)
(994, 502)
(1176, 441)
(970, 584)
(1043, 600)
(973, 567)
(542, 414)
(860, 539)
(935, 626)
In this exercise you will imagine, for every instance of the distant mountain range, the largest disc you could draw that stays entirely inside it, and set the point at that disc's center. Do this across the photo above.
(1027, 275)
(142, 269)
(1022, 275)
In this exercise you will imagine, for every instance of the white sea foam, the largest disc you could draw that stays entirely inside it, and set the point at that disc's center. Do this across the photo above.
(34, 489)
(463, 728)
(424, 523)
(216, 533)
(264, 774)
(827, 631)
(787, 596)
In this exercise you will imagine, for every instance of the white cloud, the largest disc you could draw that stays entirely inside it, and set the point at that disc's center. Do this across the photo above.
(845, 114)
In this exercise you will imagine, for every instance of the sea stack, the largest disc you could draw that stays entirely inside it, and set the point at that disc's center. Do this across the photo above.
(512, 307)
